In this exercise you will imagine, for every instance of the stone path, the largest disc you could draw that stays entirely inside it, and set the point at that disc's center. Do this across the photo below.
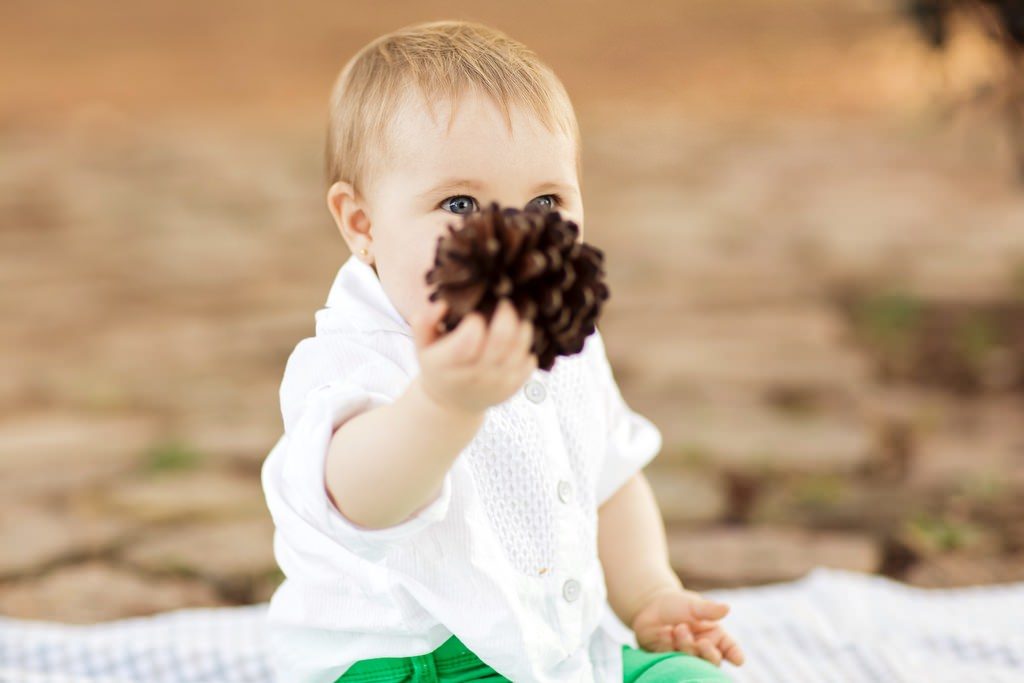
(153, 286)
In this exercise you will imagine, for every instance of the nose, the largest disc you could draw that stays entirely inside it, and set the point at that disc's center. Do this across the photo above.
(505, 201)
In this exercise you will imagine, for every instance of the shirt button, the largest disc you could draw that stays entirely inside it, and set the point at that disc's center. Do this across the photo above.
(564, 491)
(571, 590)
(535, 391)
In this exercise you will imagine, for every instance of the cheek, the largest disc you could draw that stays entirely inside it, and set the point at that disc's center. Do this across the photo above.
(438, 230)
(421, 255)
(421, 251)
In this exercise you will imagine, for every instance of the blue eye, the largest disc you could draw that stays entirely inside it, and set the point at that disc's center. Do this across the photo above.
(463, 204)
(551, 201)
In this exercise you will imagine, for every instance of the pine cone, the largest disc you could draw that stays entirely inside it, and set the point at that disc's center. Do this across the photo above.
(531, 257)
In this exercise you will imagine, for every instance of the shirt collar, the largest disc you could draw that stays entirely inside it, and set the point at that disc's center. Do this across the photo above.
(357, 302)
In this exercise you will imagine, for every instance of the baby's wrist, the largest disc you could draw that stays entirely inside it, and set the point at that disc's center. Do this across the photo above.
(442, 407)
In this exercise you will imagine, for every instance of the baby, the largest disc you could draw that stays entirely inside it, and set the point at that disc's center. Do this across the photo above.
(444, 509)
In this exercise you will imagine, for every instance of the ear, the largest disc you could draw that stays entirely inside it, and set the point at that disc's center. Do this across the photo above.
(349, 213)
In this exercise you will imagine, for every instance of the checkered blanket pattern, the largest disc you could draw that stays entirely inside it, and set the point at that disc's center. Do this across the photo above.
(831, 626)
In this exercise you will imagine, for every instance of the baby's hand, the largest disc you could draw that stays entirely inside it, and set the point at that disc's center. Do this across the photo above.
(680, 619)
(472, 367)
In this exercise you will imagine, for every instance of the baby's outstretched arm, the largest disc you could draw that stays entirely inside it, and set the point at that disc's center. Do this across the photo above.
(386, 464)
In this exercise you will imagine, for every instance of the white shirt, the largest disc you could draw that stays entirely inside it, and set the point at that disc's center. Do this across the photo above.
(505, 557)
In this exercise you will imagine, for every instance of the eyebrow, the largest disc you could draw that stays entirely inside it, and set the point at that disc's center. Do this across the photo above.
(452, 185)
(455, 184)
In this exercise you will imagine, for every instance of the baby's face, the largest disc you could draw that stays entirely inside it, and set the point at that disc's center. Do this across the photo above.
(433, 178)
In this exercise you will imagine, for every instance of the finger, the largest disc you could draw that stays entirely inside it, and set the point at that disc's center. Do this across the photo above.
(665, 638)
(679, 606)
(462, 346)
(501, 335)
(710, 609)
(715, 636)
(655, 638)
(701, 625)
(730, 650)
(531, 364)
(709, 651)
(522, 342)
(425, 323)
(519, 357)
(684, 640)
(526, 334)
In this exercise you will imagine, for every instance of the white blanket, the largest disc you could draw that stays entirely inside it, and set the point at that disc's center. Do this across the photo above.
(830, 626)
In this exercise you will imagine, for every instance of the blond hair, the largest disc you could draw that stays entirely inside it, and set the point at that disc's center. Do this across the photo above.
(441, 59)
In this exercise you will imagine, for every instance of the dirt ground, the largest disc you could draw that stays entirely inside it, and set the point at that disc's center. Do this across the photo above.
(816, 264)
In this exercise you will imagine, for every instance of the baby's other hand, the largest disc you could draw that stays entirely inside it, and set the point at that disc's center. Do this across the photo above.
(680, 619)
(474, 366)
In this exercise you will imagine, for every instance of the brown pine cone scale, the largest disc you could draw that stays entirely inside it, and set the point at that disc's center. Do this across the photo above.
(533, 258)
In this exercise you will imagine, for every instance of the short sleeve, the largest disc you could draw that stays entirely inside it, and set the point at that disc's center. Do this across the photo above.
(352, 380)
(633, 441)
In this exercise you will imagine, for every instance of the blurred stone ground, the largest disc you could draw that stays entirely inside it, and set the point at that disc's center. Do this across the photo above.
(157, 284)
(822, 313)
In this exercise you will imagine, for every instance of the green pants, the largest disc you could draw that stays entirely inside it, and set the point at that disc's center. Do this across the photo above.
(453, 662)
